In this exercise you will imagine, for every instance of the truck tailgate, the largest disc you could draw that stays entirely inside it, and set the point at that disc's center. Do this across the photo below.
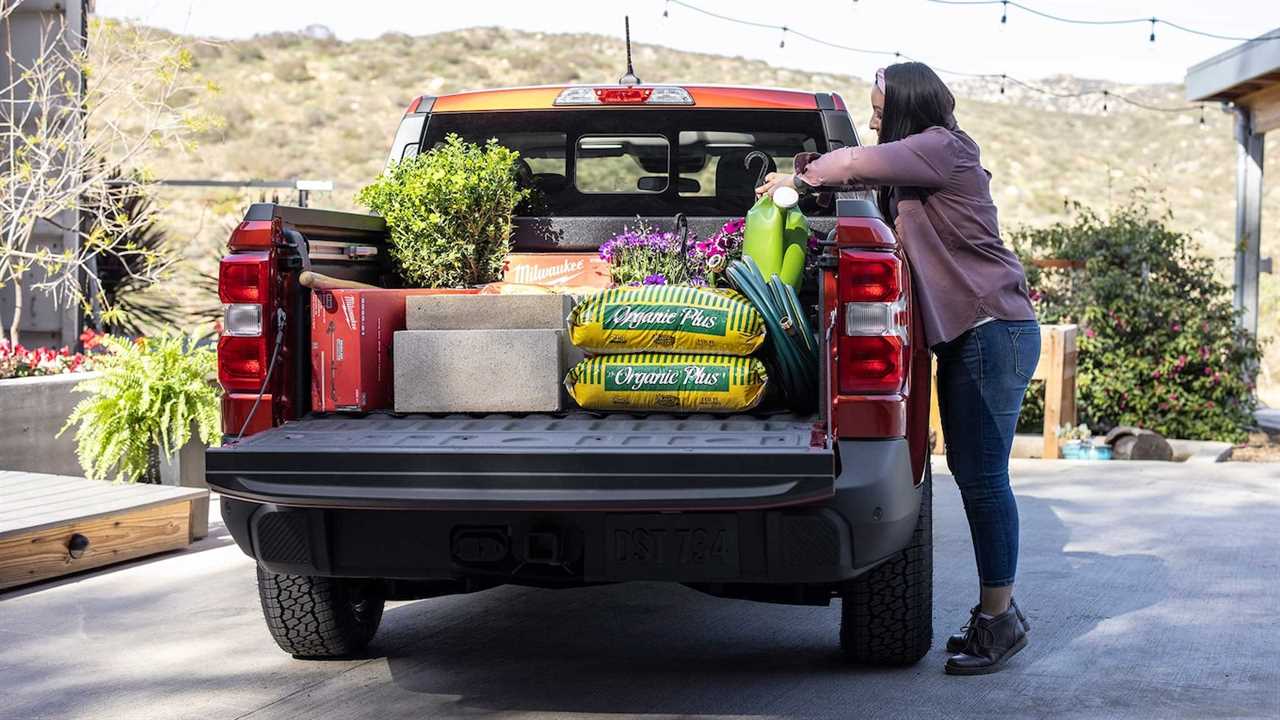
(564, 462)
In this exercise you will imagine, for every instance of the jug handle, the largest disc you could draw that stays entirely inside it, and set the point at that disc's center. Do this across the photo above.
(764, 164)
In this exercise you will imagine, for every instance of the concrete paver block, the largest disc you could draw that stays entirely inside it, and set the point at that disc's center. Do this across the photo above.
(478, 370)
(496, 312)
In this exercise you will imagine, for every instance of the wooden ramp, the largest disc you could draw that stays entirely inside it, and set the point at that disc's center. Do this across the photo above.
(51, 525)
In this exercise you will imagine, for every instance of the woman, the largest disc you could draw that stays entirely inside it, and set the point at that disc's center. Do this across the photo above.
(978, 320)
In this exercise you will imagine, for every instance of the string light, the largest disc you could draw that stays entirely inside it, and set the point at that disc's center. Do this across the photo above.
(1004, 4)
(665, 7)
(1003, 78)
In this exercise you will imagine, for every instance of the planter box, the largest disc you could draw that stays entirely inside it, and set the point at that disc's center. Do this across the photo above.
(186, 469)
(32, 411)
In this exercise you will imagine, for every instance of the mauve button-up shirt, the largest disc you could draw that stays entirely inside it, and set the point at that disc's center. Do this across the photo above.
(946, 221)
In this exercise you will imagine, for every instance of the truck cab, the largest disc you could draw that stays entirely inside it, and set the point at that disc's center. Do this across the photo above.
(344, 511)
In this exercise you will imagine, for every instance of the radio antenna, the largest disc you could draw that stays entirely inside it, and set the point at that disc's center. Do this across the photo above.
(630, 78)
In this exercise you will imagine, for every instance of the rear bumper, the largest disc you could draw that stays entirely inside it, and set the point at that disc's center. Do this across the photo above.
(768, 534)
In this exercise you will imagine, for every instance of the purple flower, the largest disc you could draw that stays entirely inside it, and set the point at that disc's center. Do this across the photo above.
(655, 279)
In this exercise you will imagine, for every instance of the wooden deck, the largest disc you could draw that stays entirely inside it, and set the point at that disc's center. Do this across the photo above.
(51, 525)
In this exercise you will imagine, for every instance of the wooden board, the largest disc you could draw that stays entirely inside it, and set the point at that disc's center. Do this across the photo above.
(42, 554)
(39, 515)
(1057, 368)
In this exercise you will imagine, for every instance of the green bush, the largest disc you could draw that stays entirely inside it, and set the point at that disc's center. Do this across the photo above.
(1159, 346)
(149, 395)
(449, 212)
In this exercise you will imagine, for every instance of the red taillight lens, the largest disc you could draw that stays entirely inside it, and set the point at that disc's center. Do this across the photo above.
(869, 276)
(236, 408)
(245, 278)
(623, 95)
(864, 233)
(872, 364)
(252, 235)
(242, 362)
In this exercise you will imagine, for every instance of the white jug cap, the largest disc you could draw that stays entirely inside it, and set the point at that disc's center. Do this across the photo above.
(785, 197)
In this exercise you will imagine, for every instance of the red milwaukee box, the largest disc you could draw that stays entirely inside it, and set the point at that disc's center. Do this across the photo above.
(571, 269)
(351, 332)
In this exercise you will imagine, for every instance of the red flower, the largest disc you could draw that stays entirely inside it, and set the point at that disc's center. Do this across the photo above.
(1176, 327)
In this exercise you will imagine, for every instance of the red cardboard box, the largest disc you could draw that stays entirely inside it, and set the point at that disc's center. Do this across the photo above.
(351, 332)
(574, 269)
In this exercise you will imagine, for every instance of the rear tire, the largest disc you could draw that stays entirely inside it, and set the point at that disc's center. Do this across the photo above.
(319, 617)
(886, 615)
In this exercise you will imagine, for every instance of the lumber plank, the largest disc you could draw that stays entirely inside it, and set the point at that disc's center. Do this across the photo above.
(41, 554)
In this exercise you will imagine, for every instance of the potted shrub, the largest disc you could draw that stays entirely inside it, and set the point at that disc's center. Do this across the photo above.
(151, 397)
(449, 212)
(1077, 444)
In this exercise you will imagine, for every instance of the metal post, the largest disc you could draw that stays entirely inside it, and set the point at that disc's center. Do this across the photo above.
(1249, 148)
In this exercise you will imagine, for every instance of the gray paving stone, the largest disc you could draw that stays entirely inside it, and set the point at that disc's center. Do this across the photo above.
(478, 370)
(496, 312)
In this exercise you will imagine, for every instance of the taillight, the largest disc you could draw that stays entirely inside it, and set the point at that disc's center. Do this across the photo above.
(252, 235)
(242, 362)
(245, 278)
(245, 287)
(872, 351)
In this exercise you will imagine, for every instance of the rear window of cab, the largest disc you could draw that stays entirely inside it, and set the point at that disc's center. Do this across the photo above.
(629, 162)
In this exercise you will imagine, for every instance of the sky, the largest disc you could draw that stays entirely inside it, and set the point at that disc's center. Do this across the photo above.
(956, 37)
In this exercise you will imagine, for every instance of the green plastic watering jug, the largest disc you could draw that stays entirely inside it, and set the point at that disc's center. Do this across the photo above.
(777, 238)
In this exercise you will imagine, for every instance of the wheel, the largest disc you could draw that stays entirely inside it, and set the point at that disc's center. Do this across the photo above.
(319, 617)
(886, 615)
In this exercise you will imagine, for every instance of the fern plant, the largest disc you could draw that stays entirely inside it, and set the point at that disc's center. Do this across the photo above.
(150, 394)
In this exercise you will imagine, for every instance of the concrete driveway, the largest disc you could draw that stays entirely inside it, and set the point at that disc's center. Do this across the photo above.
(1153, 590)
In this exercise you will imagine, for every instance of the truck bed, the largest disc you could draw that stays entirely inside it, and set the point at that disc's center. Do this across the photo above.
(562, 460)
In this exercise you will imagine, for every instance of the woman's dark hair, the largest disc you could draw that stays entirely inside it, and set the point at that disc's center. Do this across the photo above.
(915, 99)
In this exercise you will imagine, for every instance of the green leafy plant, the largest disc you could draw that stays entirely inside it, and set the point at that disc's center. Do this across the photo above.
(1159, 346)
(1077, 433)
(449, 212)
(149, 396)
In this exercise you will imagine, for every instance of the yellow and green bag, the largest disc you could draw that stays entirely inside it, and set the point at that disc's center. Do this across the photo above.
(667, 318)
(670, 383)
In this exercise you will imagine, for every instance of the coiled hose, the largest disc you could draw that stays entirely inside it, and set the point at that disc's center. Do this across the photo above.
(789, 341)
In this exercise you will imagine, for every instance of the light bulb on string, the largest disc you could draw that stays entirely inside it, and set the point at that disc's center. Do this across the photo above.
(1202, 115)
(1105, 95)
(1153, 30)
(1003, 77)
(665, 7)
(783, 42)
(1004, 12)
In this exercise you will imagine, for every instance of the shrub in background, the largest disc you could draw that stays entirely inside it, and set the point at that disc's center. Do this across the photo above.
(149, 395)
(1158, 346)
(449, 212)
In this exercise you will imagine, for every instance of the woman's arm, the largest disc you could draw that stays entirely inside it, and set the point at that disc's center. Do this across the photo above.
(922, 160)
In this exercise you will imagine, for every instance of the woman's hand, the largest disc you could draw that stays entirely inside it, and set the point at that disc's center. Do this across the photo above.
(773, 181)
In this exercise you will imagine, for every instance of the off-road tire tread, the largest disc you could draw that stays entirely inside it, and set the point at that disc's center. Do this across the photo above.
(312, 617)
(886, 615)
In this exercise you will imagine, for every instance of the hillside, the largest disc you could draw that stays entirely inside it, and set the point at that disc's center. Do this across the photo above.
(310, 106)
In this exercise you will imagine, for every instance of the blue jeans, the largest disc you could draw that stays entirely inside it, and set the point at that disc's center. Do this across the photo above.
(982, 377)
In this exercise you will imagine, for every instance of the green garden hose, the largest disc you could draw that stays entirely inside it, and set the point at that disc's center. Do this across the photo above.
(789, 341)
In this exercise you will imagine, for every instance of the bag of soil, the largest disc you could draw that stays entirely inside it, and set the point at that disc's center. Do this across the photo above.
(667, 318)
(667, 383)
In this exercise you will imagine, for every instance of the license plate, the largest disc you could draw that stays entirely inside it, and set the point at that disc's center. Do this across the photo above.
(671, 547)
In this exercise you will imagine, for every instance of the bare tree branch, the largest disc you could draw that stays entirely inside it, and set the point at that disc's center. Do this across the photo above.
(72, 125)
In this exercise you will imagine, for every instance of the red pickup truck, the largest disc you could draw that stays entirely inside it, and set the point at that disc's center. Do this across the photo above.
(343, 512)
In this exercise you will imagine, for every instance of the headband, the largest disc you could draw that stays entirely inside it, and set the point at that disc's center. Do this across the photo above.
(880, 79)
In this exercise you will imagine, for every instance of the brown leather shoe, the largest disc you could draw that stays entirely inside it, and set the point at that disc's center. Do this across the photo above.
(956, 642)
(991, 643)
